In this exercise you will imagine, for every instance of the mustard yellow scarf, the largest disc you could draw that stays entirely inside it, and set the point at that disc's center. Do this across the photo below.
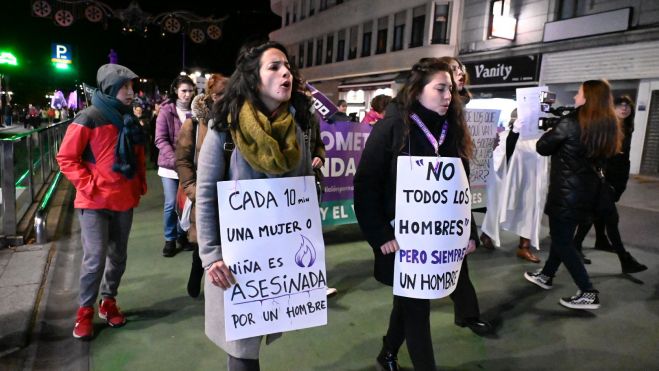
(269, 146)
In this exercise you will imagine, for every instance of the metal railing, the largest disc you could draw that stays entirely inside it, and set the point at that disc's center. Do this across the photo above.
(28, 168)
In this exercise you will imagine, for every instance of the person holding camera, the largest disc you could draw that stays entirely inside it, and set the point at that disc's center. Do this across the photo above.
(617, 174)
(579, 146)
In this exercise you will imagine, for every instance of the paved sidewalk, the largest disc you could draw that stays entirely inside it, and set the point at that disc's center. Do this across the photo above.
(165, 329)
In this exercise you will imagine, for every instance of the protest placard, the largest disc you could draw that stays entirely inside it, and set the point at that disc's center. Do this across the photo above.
(272, 241)
(432, 225)
(482, 124)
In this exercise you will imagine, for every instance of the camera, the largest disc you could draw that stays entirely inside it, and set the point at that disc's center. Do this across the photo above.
(546, 122)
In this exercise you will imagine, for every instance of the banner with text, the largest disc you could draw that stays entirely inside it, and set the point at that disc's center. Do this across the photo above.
(344, 143)
(432, 225)
(482, 124)
(272, 241)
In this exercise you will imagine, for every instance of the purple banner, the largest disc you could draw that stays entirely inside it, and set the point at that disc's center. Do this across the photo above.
(344, 143)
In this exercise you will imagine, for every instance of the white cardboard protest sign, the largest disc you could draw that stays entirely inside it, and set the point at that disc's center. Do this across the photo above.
(432, 226)
(273, 243)
(482, 124)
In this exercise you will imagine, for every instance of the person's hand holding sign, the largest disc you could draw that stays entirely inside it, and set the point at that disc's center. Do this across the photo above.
(220, 275)
(389, 247)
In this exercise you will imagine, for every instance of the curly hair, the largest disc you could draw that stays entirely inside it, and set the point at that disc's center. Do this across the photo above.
(421, 74)
(243, 86)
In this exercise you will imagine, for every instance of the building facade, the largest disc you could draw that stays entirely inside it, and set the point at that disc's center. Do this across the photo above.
(357, 49)
(507, 44)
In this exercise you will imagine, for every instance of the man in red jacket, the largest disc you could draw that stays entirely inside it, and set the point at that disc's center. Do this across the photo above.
(102, 154)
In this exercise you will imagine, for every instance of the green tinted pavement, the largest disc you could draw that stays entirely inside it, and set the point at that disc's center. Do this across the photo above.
(165, 328)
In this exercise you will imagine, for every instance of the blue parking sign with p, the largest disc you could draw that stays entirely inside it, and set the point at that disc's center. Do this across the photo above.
(61, 53)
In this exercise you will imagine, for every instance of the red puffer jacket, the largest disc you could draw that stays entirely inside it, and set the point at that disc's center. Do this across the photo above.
(86, 157)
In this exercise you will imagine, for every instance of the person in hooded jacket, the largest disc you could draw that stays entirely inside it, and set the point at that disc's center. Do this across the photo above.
(102, 155)
(266, 112)
(188, 144)
(579, 146)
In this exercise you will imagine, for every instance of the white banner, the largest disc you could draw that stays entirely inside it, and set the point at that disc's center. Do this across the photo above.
(273, 243)
(482, 124)
(432, 226)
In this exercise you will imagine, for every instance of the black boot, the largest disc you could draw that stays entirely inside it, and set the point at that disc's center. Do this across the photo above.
(170, 249)
(196, 274)
(387, 359)
(629, 264)
(184, 244)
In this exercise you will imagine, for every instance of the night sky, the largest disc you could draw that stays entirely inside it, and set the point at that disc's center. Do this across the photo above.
(155, 57)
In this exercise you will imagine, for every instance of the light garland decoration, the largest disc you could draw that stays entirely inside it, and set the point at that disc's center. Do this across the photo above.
(65, 12)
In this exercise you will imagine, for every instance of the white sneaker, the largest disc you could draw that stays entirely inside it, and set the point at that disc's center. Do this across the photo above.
(331, 291)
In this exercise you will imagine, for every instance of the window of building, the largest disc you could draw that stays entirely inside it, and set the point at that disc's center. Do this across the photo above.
(571, 8)
(399, 31)
(319, 51)
(341, 46)
(322, 6)
(367, 36)
(292, 59)
(418, 25)
(330, 49)
(300, 61)
(294, 12)
(309, 53)
(497, 8)
(312, 7)
(303, 9)
(288, 15)
(440, 25)
(383, 24)
(352, 43)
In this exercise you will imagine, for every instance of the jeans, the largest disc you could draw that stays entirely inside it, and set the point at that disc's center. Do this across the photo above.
(104, 236)
(563, 251)
(172, 228)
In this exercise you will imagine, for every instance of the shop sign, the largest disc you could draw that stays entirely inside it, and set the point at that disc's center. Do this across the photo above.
(504, 71)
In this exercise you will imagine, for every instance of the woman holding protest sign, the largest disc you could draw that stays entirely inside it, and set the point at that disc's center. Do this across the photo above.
(264, 113)
(426, 119)
(580, 145)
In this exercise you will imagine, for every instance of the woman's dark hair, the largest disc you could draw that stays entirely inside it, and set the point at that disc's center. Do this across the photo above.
(178, 81)
(243, 86)
(464, 93)
(600, 129)
(379, 102)
(421, 74)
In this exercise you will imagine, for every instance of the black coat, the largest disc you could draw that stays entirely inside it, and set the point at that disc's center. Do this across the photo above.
(375, 180)
(573, 182)
(617, 169)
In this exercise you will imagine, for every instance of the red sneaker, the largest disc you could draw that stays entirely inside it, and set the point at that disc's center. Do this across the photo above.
(109, 311)
(84, 327)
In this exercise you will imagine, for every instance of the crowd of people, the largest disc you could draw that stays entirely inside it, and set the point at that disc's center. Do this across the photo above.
(260, 124)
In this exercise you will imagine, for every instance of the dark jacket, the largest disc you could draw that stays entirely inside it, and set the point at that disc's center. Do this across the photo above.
(573, 183)
(617, 169)
(375, 180)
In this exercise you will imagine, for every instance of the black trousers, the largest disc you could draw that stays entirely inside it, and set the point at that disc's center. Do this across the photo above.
(465, 302)
(608, 222)
(410, 321)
